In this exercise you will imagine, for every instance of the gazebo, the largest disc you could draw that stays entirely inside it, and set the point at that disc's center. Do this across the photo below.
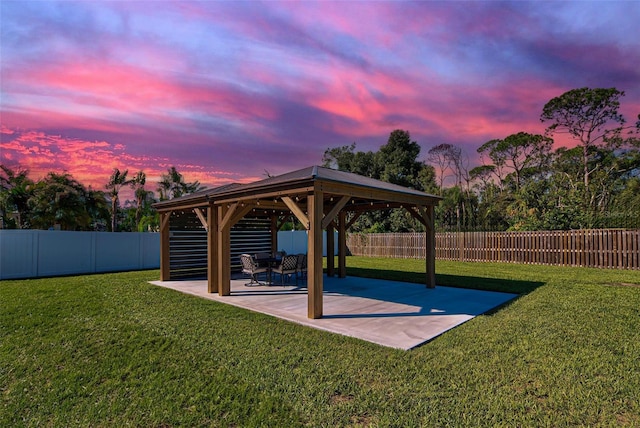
(320, 198)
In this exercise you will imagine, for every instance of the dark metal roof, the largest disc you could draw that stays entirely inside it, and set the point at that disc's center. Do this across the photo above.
(305, 175)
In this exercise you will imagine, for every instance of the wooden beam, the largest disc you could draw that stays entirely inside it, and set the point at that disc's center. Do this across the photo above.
(342, 244)
(178, 207)
(212, 250)
(428, 215)
(238, 215)
(265, 204)
(295, 209)
(165, 249)
(375, 206)
(228, 213)
(202, 217)
(334, 211)
(416, 215)
(353, 219)
(256, 194)
(314, 256)
(368, 193)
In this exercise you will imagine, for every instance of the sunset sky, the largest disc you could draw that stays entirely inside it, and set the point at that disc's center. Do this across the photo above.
(228, 90)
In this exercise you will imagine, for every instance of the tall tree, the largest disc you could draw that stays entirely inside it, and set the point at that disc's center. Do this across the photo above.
(60, 200)
(15, 190)
(346, 158)
(589, 115)
(116, 182)
(441, 157)
(395, 162)
(398, 160)
(523, 153)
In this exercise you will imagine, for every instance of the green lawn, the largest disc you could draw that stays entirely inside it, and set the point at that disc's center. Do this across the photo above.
(112, 350)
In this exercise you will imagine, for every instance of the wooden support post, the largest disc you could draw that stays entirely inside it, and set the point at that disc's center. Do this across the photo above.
(314, 256)
(165, 251)
(212, 249)
(342, 244)
(330, 250)
(224, 254)
(430, 244)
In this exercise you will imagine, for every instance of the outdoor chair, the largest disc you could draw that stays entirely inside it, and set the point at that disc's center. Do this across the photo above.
(250, 267)
(302, 266)
(288, 266)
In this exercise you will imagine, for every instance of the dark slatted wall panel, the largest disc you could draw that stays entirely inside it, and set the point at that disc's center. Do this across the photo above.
(249, 235)
(188, 244)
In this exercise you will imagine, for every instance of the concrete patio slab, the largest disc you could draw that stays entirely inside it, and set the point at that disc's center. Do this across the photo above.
(389, 313)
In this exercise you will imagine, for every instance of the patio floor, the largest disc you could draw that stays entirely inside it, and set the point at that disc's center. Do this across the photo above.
(394, 314)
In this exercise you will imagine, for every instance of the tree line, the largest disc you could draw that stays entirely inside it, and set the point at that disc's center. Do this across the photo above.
(58, 201)
(523, 183)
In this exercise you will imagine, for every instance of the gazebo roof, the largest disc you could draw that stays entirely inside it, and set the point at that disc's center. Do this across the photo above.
(303, 180)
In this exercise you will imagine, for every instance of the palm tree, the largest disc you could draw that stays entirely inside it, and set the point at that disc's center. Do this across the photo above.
(141, 194)
(60, 200)
(116, 182)
(15, 190)
(172, 185)
(98, 208)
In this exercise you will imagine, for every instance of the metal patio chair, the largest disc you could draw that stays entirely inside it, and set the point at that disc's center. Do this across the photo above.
(288, 266)
(250, 267)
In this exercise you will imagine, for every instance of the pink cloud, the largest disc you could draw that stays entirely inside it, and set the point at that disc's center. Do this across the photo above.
(92, 162)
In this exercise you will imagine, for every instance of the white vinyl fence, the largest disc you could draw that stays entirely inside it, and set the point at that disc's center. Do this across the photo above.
(296, 242)
(38, 253)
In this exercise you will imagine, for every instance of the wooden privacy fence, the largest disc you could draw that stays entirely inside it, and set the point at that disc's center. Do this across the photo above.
(604, 248)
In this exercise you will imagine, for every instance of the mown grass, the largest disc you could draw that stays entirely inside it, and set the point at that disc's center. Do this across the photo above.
(113, 350)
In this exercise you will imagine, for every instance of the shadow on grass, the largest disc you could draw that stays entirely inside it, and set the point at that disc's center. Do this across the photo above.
(460, 281)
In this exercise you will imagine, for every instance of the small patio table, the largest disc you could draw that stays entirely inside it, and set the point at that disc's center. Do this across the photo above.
(269, 262)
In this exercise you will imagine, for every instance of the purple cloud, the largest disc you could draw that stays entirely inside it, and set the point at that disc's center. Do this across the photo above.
(227, 90)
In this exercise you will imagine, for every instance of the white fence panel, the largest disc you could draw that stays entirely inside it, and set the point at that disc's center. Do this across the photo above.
(37, 253)
(18, 253)
(65, 253)
(296, 242)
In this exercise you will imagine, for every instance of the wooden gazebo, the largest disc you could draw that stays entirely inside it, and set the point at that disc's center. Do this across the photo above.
(320, 198)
